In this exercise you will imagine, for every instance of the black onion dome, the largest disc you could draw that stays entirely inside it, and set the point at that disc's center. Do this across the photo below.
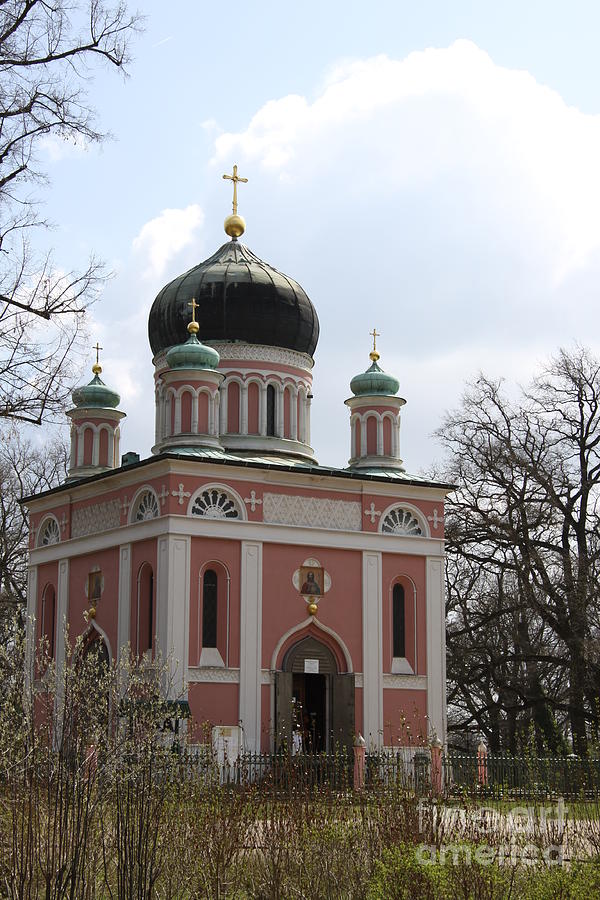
(241, 298)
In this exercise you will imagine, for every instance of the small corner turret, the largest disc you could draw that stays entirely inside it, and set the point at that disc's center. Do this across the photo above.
(375, 417)
(95, 426)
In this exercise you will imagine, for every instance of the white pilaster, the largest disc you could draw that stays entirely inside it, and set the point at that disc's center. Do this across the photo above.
(436, 647)
(80, 446)
(279, 394)
(96, 447)
(363, 436)
(293, 413)
(177, 424)
(124, 609)
(32, 584)
(244, 409)
(372, 649)
(223, 394)
(380, 437)
(110, 456)
(173, 608)
(250, 643)
(169, 414)
(307, 421)
(194, 417)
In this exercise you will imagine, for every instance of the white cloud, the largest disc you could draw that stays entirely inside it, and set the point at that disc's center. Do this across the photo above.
(58, 148)
(163, 237)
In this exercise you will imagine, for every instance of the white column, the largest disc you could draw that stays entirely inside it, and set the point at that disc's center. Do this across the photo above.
(194, 419)
(80, 445)
(280, 411)
(294, 413)
(363, 436)
(32, 583)
(117, 444)
(302, 415)
(110, 454)
(96, 447)
(157, 422)
(168, 410)
(380, 437)
(73, 446)
(352, 438)
(372, 649)
(124, 608)
(177, 423)
(173, 608)
(307, 421)
(250, 643)
(263, 410)
(62, 613)
(244, 409)
(223, 392)
(436, 647)
(397, 433)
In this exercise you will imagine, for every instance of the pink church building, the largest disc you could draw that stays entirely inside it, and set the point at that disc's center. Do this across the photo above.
(286, 595)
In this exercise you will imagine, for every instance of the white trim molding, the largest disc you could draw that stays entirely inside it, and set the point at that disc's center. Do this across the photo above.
(436, 648)
(372, 648)
(251, 643)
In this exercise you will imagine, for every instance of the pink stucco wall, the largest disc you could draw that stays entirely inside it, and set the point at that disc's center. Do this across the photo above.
(404, 718)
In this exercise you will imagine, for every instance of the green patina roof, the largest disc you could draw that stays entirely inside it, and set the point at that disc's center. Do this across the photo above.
(96, 394)
(374, 381)
(192, 355)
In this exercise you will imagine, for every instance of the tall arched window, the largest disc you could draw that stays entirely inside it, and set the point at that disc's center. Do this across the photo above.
(398, 621)
(209, 609)
(270, 410)
(48, 620)
(144, 631)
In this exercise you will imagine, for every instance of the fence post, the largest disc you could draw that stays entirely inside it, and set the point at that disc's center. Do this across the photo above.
(359, 762)
(482, 765)
(436, 766)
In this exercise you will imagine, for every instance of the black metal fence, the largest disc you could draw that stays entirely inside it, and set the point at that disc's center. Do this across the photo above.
(502, 776)
(497, 776)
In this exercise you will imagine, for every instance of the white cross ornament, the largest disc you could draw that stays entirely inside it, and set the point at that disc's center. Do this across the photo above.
(435, 519)
(252, 501)
(163, 495)
(372, 512)
(125, 504)
(181, 494)
(63, 522)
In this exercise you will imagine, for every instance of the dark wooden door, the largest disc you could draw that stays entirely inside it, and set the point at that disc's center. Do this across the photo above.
(342, 711)
(283, 710)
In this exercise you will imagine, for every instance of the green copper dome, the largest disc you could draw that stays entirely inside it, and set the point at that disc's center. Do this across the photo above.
(374, 381)
(95, 394)
(192, 355)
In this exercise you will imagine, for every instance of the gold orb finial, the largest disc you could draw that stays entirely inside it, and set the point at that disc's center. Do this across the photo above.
(97, 368)
(374, 355)
(235, 225)
(313, 609)
(193, 326)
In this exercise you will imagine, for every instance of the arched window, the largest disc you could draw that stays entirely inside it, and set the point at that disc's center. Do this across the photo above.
(49, 532)
(215, 503)
(146, 507)
(209, 609)
(400, 521)
(48, 620)
(398, 621)
(270, 410)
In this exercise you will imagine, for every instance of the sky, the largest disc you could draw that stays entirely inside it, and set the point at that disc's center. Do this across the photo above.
(431, 170)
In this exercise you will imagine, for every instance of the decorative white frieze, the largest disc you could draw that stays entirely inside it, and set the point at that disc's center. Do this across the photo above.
(97, 517)
(312, 512)
(262, 353)
(405, 682)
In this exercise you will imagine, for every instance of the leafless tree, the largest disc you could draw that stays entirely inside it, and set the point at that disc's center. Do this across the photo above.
(524, 537)
(48, 51)
(24, 469)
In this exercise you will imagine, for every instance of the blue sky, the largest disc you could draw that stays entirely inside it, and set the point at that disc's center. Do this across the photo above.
(431, 169)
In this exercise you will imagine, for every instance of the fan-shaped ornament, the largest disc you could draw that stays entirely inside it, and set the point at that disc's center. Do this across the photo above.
(215, 504)
(401, 521)
(146, 507)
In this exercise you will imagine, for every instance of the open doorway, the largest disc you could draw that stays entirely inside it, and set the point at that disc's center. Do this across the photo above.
(314, 702)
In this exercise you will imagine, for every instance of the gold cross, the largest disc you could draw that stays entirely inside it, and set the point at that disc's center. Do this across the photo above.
(97, 348)
(375, 335)
(235, 178)
(194, 306)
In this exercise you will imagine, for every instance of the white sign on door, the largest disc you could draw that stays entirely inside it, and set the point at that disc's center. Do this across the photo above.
(311, 666)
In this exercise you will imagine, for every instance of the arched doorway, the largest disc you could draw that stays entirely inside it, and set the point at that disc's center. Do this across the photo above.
(314, 701)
